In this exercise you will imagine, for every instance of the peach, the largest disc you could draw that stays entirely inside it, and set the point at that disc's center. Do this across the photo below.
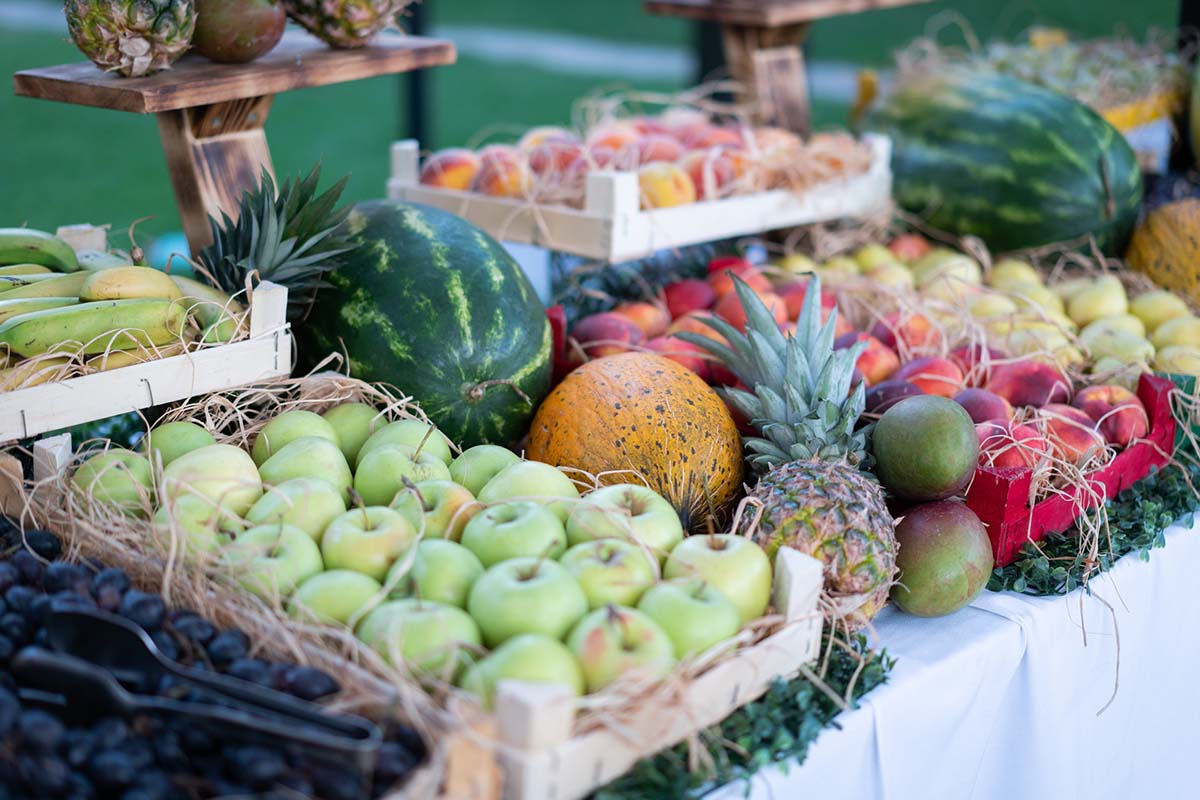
(602, 156)
(689, 355)
(908, 247)
(1002, 444)
(691, 294)
(1118, 413)
(557, 157)
(648, 124)
(878, 361)
(503, 172)
(663, 184)
(1071, 432)
(606, 334)
(453, 168)
(658, 147)
(933, 374)
(721, 281)
(975, 360)
(883, 396)
(714, 172)
(905, 332)
(652, 318)
(542, 134)
(700, 135)
(616, 136)
(729, 308)
(1029, 383)
(694, 322)
(983, 405)
(793, 294)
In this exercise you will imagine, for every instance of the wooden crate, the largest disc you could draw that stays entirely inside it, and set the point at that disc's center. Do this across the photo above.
(613, 227)
(267, 353)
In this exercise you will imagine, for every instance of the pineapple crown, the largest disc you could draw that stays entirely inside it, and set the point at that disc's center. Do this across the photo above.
(291, 236)
(801, 401)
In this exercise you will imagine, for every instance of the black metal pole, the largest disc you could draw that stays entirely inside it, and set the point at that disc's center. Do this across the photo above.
(709, 49)
(413, 122)
(1189, 25)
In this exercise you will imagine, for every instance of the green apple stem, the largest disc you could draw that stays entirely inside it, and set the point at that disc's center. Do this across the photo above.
(412, 487)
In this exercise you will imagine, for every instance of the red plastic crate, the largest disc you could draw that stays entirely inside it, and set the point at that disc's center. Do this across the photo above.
(1000, 496)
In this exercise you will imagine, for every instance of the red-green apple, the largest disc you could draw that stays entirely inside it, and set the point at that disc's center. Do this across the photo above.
(288, 427)
(431, 638)
(437, 509)
(367, 540)
(309, 457)
(336, 596)
(512, 530)
(532, 480)
(613, 641)
(308, 503)
(529, 658)
(477, 465)
(611, 571)
(273, 560)
(411, 433)
(440, 570)
(526, 595)
(223, 473)
(626, 511)
(116, 477)
(354, 423)
(731, 564)
(693, 614)
(382, 472)
(172, 440)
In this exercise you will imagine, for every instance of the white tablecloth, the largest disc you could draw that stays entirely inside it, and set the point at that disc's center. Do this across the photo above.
(1001, 699)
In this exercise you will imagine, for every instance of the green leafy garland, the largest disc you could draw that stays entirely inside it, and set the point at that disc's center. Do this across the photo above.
(777, 728)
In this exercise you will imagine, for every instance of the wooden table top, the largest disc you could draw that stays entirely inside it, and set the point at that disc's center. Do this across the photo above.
(765, 13)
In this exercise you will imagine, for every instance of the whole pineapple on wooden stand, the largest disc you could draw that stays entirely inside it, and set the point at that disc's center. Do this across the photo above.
(808, 454)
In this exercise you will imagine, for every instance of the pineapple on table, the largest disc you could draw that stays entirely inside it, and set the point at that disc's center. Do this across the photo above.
(808, 454)
(345, 23)
(131, 37)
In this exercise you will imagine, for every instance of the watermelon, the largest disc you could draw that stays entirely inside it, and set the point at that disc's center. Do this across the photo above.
(432, 305)
(1019, 166)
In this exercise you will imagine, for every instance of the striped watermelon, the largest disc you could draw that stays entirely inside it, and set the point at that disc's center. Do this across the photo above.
(432, 305)
(1017, 165)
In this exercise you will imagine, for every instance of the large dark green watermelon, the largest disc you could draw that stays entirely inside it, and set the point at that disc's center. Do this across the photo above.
(1017, 165)
(434, 306)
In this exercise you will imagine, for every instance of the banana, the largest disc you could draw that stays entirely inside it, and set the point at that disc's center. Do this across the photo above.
(26, 269)
(115, 359)
(91, 328)
(13, 308)
(26, 246)
(32, 373)
(53, 286)
(95, 260)
(126, 283)
(219, 315)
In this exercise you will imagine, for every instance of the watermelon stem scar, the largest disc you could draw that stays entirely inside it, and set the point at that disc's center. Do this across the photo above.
(476, 392)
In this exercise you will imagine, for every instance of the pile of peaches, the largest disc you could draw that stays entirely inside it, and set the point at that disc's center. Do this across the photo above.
(681, 156)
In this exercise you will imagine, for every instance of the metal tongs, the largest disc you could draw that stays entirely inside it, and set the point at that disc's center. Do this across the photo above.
(102, 664)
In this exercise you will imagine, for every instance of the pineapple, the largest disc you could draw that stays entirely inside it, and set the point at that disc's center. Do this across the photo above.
(131, 37)
(345, 23)
(291, 238)
(815, 496)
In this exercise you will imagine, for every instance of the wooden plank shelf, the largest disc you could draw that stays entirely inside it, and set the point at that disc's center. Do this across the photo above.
(766, 13)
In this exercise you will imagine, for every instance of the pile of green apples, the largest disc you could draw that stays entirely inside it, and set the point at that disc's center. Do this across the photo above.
(470, 569)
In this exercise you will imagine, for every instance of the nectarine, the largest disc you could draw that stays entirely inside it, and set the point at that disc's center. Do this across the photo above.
(453, 168)
(1117, 412)
(650, 317)
(933, 374)
(691, 294)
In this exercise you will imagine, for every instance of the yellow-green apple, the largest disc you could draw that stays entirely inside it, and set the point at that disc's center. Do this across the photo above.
(354, 423)
(1184, 331)
(626, 511)
(440, 570)
(611, 571)
(309, 457)
(1103, 298)
(433, 639)
(309, 504)
(367, 540)
(1070, 287)
(1178, 359)
(694, 615)
(1156, 307)
(613, 641)
(942, 265)
(117, 477)
(990, 304)
(437, 509)
(893, 275)
(1035, 295)
(477, 465)
(870, 256)
(796, 264)
(526, 595)
(515, 529)
(838, 269)
(288, 427)
(199, 521)
(336, 596)
(412, 433)
(529, 658)
(387, 470)
(1127, 323)
(532, 480)
(731, 564)
(272, 560)
(223, 473)
(1009, 272)
(1124, 347)
(172, 440)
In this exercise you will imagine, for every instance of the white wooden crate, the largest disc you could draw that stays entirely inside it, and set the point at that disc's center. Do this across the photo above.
(613, 227)
(267, 353)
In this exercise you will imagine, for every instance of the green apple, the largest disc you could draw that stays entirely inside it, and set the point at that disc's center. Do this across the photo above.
(532, 480)
(797, 264)
(224, 474)
(627, 511)
(310, 504)
(309, 457)
(512, 530)
(337, 596)
(479, 464)
(437, 509)
(733, 565)
(174, 439)
(441, 570)
(388, 469)
(273, 560)
(200, 521)
(529, 658)
(288, 427)
(870, 256)
(613, 641)
(611, 571)
(526, 595)
(411, 433)
(367, 540)
(431, 638)
(693, 614)
(116, 477)
(354, 423)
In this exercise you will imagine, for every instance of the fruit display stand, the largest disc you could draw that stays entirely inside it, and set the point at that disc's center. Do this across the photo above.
(211, 116)
(613, 227)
